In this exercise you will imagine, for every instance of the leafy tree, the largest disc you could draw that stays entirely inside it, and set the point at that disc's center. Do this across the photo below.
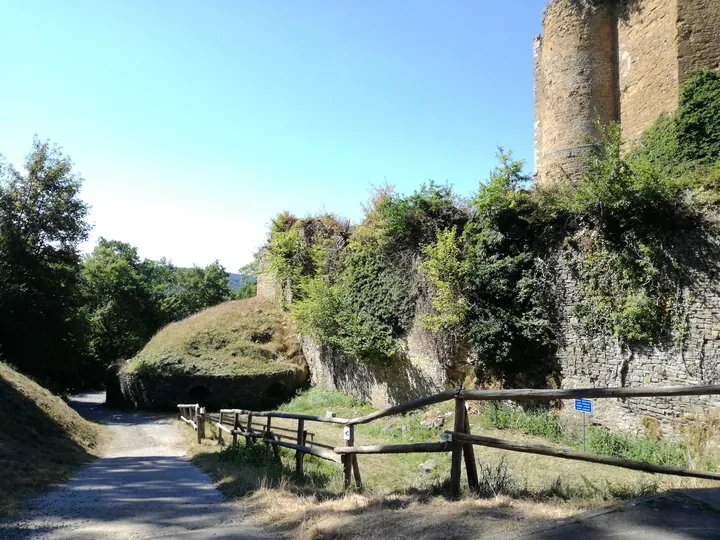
(198, 288)
(121, 299)
(42, 221)
(248, 281)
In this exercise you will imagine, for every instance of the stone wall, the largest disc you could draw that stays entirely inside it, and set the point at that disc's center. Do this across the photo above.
(164, 392)
(648, 66)
(429, 363)
(698, 22)
(626, 64)
(694, 360)
(575, 63)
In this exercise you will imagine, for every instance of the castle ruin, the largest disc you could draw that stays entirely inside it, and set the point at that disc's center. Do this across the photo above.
(613, 60)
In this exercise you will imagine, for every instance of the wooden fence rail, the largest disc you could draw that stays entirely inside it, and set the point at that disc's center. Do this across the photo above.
(459, 441)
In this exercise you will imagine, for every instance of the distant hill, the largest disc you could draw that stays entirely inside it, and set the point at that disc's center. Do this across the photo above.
(236, 280)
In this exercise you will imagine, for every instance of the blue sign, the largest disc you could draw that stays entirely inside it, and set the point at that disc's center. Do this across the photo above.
(583, 405)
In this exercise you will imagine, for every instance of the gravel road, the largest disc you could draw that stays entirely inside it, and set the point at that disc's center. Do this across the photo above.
(142, 487)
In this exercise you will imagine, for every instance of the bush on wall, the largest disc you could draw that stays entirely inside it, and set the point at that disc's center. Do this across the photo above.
(489, 264)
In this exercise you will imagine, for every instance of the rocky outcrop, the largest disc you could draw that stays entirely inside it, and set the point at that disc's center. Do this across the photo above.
(427, 364)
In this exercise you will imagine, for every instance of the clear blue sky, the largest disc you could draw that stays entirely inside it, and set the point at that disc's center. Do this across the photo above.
(194, 123)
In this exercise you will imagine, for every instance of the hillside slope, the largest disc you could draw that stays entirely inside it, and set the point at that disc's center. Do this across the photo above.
(240, 337)
(41, 440)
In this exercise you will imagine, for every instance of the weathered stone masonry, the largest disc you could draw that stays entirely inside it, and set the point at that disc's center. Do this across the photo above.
(613, 61)
(690, 356)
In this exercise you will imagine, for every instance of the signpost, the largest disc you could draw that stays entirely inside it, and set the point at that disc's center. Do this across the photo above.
(584, 406)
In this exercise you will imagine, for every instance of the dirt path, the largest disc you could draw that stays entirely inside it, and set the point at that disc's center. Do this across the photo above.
(142, 487)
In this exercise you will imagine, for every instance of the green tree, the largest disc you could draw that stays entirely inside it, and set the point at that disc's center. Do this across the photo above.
(123, 306)
(198, 288)
(42, 222)
(248, 281)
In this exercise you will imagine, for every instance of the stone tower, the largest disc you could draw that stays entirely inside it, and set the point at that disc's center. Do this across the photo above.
(605, 60)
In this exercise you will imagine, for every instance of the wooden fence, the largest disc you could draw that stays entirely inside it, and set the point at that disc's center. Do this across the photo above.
(459, 441)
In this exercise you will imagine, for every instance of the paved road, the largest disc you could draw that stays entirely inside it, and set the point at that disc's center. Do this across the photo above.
(692, 514)
(142, 487)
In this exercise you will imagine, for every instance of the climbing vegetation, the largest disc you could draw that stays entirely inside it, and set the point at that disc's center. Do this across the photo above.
(494, 268)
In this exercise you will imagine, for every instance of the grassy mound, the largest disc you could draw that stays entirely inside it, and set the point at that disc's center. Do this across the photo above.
(41, 441)
(240, 337)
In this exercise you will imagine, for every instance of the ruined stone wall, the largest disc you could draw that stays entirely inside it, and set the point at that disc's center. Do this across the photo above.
(427, 364)
(648, 67)
(575, 62)
(692, 360)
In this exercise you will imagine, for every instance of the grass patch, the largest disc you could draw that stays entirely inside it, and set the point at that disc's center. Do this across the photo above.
(318, 401)
(406, 495)
(547, 425)
(237, 337)
(42, 439)
(520, 476)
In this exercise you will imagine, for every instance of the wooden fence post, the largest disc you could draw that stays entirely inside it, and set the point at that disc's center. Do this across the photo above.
(267, 434)
(469, 454)
(301, 437)
(200, 422)
(356, 472)
(457, 448)
(249, 439)
(236, 425)
(220, 431)
(347, 459)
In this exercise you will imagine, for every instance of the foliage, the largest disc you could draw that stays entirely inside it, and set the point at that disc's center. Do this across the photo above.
(489, 266)
(698, 117)
(198, 288)
(616, 195)
(247, 281)
(129, 299)
(533, 422)
(122, 311)
(414, 219)
(352, 290)
(443, 269)
(43, 324)
(599, 440)
(690, 137)
(629, 293)
(509, 323)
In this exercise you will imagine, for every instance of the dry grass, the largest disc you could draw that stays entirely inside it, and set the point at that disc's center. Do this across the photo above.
(237, 337)
(402, 500)
(397, 516)
(316, 507)
(42, 440)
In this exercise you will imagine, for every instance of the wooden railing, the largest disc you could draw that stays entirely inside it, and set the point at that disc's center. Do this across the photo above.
(459, 441)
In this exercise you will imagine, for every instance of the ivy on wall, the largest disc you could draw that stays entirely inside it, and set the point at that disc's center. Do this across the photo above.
(489, 263)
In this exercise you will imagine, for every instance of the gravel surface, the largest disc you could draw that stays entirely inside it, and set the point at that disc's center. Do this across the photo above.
(142, 487)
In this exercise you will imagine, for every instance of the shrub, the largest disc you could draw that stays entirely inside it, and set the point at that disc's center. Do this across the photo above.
(490, 264)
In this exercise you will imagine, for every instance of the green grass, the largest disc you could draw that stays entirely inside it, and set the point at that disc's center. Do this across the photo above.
(318, 401)
(547, 425)
(238, 337)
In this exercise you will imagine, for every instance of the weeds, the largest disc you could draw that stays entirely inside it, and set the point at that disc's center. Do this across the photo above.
(599, 440)
(495, 480)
